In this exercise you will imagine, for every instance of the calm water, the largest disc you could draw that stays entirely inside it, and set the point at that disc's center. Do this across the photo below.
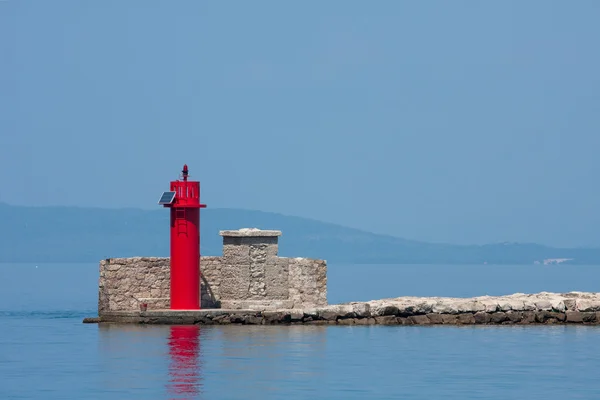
(47, 353)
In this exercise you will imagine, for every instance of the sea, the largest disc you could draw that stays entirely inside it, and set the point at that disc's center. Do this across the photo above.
(46, 352)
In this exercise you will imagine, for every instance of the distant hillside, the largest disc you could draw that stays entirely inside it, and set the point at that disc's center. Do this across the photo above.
(69, 234)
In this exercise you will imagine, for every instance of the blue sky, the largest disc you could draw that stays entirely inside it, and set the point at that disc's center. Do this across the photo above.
(460, 122)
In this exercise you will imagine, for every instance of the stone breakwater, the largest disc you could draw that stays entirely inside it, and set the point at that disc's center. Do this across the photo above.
(541, 308)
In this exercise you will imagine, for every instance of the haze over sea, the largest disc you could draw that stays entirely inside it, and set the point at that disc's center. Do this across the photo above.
(47, 353)
(468, 124)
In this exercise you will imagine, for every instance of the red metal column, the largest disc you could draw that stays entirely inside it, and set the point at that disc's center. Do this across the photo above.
(185, 243)
(185, 258)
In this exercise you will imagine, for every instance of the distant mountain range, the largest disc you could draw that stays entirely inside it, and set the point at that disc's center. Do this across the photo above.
(73, 234)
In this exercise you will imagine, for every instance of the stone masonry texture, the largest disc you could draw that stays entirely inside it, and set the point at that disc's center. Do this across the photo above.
(249, 275)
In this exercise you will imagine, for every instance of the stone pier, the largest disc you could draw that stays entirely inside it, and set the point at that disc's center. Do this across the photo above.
(250, 284)
(544, 308)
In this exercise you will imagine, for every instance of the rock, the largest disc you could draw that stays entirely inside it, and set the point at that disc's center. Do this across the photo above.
(490, 304)
(384, 309)
(424, 307)
(466, 319)
(558, 306)
(525, 318)
(543, 305)
(296, 315)
(542, 316)
(528, 317)
(471, 307)
(277, 317)
(435, 318)
(570, 304)
(420, 319)
(587, 305)
(445, 306)
(361, 310)
(222, 320)
(311, 313)
(514, 316)
(450, 319)
(91, 320)
(203, 321)
(498, 317)
(574, 317)
(560, 316)
(364, 321)
(320, 322)
(482, 317)
(345, 311)
(580, 317)
(518, 305)
(549, 317)
(252, 320)
(328, 313)
(386, 320)
(346, 321)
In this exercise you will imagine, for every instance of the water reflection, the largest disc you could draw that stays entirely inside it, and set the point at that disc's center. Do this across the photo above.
(191, 362)
(270, 359)
(136, 349)
(185, 377)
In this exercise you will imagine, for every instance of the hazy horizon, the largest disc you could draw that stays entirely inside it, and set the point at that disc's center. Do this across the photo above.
(287, 232)
(463, 123)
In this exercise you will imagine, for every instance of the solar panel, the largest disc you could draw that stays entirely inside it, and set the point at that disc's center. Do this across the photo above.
(166, 198)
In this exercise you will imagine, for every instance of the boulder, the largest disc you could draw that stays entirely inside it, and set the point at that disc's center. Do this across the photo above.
(420, 319)
(445, 306)
(435, 318)
(384, 309)
(361, 309)
(386, 320)
(471, 307)
(586, 305)
(498, 317)
(580, 317)
(482, 317)
(466, 319)
(543, 305)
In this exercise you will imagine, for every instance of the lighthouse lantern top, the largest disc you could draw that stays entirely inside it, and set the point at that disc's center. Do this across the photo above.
(183, 193)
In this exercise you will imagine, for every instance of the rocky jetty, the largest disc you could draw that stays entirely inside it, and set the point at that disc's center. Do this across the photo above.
(540, 308)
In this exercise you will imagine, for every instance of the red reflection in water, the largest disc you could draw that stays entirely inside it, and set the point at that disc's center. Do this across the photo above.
(184, 370)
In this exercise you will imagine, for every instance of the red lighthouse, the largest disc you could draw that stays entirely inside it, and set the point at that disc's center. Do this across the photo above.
(184, 201)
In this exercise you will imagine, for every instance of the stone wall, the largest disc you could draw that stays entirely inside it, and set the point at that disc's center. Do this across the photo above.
(249, 275)
(308, 282)
(254, 277)
(126, 282)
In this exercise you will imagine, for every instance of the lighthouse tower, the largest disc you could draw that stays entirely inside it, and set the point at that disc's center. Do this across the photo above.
(184, 201)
